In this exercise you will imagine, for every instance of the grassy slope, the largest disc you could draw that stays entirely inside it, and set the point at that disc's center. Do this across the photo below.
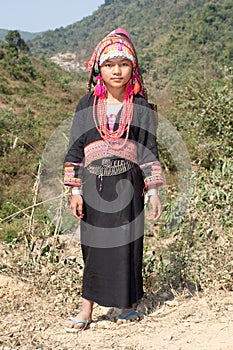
(32, 105)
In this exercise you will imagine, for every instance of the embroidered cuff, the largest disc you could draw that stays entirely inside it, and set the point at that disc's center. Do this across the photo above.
(70, 174)
(153, 174)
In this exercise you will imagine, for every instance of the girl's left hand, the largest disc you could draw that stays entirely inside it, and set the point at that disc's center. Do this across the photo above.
(155, 207)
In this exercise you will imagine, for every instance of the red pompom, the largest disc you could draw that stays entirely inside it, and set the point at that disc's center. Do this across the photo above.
(100, 89)
(136, 88)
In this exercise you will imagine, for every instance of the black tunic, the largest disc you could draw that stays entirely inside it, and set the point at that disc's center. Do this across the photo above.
(113, 223)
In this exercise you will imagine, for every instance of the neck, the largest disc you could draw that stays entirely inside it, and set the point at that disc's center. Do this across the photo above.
(115, 95)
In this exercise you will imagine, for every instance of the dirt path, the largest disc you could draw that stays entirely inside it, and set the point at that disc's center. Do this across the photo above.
(28, 321)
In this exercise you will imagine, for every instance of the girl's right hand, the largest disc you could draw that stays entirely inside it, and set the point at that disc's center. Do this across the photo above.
(76, 205)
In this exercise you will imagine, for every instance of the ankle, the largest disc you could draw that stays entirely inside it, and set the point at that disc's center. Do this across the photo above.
(87, 307)
(127, 311)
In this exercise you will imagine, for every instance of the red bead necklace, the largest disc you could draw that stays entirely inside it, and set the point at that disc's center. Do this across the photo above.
(101, 122)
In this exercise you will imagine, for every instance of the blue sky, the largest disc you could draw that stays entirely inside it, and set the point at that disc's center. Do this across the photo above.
(40, 15)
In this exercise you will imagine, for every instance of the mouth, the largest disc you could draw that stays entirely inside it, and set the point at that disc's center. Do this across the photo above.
(116, 79)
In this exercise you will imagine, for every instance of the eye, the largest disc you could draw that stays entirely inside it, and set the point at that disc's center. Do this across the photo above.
(126, 64)
(107, 64)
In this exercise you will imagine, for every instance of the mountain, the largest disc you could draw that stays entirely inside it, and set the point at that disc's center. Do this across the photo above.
(173, 37)
(24, 35)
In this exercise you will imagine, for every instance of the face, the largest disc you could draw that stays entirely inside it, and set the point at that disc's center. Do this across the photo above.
(116, 72)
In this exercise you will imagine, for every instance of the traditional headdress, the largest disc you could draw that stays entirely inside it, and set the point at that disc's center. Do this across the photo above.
(114, 45)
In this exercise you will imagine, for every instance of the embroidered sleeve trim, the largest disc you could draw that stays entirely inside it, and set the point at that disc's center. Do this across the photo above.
(69, 174)
(153, 180)
(75, 164)
(155, 177)
(147, 165)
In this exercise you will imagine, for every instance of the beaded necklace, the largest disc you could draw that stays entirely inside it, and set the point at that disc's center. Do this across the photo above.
(101, 122)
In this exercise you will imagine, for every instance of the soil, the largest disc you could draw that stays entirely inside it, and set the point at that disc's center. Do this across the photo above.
(31, 320)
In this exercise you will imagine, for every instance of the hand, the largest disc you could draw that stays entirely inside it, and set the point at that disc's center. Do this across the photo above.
(155, 207)
(76, 205)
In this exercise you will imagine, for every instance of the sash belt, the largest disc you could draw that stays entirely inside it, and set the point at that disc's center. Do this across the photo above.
(110, 167)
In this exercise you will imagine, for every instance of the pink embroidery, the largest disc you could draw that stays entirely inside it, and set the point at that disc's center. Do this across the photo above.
(120, 46)
(153, 180)
(156, 175)
(100, 149)
(75, 164)
(69, 175)
(145, 165)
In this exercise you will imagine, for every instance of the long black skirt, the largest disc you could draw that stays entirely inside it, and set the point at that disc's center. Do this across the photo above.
(112, 238)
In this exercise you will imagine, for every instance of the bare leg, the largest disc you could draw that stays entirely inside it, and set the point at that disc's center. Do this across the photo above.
(84, 315)
(86, 310)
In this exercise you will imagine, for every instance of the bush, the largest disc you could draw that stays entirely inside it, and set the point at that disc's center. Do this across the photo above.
(206, 108)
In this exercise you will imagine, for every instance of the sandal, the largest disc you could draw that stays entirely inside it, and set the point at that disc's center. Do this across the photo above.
(127, 319)
(82, 325)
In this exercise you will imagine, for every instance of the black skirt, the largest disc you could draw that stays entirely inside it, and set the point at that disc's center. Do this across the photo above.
(112, 238)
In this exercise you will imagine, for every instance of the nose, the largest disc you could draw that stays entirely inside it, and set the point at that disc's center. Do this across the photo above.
(116, 69)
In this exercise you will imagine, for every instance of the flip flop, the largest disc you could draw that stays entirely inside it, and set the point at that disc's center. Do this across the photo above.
(74, 322)
(128, 319)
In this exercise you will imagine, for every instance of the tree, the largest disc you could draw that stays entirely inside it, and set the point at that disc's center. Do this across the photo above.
(15, 42)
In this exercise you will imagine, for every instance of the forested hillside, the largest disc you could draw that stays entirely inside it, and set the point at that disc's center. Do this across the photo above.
(24, 35)
(173, 37)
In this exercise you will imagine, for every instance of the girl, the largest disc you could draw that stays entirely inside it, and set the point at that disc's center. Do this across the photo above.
(111, 162)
